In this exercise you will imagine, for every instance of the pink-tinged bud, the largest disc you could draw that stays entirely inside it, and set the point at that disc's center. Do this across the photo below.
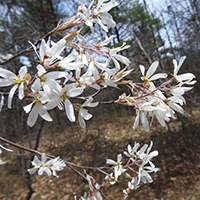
(69, 23)
(70, 37)
(125, 100)
(121, 74)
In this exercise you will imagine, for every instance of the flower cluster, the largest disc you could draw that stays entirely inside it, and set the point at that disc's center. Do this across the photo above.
(61, 79)
(162, 101)
(50, 167)
(138, 166)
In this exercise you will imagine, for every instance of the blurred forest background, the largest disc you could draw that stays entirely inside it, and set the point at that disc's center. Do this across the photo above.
(162, 34)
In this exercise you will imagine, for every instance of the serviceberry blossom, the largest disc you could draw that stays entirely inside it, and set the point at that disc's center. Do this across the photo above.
(49, 51)
(149, 74)
(138, 166)
(115, 57)
(94, 189)
(62, 95)
(49, 167)
(102, 15)
(97, 14)
(39, 108)
(183, 78)
(132, 151)
(117, 165)
(47, 80)
(83, 113)
(132, 185)
(8, 78)
(143, 173)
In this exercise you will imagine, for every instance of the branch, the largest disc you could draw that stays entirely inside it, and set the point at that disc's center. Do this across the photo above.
(141, 47)
(25, 50)
(70, 165)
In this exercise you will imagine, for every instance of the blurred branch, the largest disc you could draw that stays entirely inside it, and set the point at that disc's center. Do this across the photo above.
(141, 47)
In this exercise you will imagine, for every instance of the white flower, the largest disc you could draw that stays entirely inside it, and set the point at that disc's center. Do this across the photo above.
(143, 174)
(116, 57)
(49, 51)
(85, 14)
(142, 108)
(185, 78)
(146, 157)
(9, 78)
(47, 80)
(83, 113)
(117, 165)
(56, 164)
(132, 151)
(149, 74)
(49, 167)
(39, 108)
(105, 42)
(40, 165)
(102, 15)
(132, 185)
(69, 62)
(62, 95)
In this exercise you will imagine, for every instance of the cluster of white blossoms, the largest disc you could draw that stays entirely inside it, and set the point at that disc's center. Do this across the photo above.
(50, 167)
(61, 81)
(138, 166)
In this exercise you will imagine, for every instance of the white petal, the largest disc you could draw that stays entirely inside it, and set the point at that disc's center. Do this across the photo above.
(84, 113)
(176, 107)
(22, 72)
(176, 68)
(7, 74)
(110, 162)
(56, 74)
(10, 150)
(153, 154)
(33, 116)
(186, 76)
(44, 114)
(5, 82)
(69, 110)
(136, 123)
(160, 118)
(74, 92)
(117, 65)
(28, 107)
(32, 170)
(122, 59)
(157, 76)
(11, 94)
(145, 122)
(36, 85)
(142, 69)
(81, 121)
(182, 59)
(41, 70)
(21, 91)
(152, 69)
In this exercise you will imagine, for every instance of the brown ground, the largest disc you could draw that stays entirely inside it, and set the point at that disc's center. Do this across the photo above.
(178, 160)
